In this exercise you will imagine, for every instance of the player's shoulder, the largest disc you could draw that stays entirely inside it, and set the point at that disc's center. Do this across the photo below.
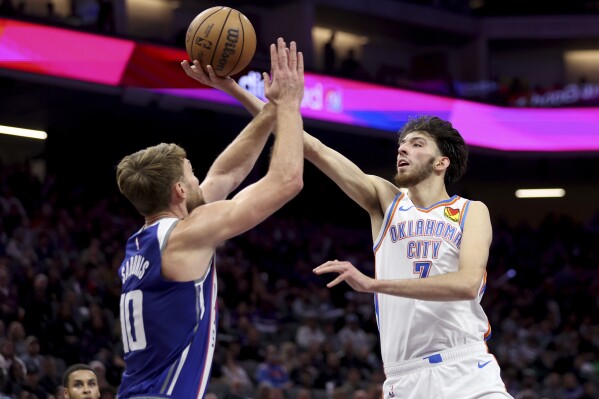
(383, 185)
(477, 204)
(478, 209)
(386, 191)
(201, 226)
(471, 202)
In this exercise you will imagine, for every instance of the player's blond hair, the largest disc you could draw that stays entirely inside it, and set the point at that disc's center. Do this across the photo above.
(147, 176)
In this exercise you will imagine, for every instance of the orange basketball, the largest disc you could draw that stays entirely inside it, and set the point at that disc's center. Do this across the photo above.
(222, 37)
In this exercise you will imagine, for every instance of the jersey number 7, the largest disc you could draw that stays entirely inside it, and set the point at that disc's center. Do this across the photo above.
(423, 268)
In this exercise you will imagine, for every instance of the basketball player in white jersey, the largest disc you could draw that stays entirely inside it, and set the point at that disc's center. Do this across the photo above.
(168, 303)
(431, 251)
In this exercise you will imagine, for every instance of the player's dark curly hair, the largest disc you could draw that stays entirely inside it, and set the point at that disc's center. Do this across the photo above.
(448, 139)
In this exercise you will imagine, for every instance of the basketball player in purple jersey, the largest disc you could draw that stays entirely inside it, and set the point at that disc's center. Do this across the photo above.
(431, 252)
(168, 303)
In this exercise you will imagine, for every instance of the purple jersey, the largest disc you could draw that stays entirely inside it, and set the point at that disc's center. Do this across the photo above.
(168, 328)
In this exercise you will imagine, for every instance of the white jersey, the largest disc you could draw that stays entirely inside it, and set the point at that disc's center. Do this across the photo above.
(418, 243)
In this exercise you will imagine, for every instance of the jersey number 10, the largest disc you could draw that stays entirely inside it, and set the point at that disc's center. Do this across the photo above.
(132, 323)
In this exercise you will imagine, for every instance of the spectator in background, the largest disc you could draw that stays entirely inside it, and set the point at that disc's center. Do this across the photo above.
(571, 387)
(251, 345)
(65, 335)
(351, 68)
(32, 356)
(304, 394)
(14, 214)
(16, 333)
(235, 375)
(80, 382)
(96, 335)
(309, 332)
(330, 56)
(271, 372)
(360, 394)
(12, 369)
(349, 65)
(50, 380)
(32, 383)
(38, 312)
(353, 334)
(9, 359)
(330, 375)
(105, 22)
(305, 373)
(99, 370)
(8, 295)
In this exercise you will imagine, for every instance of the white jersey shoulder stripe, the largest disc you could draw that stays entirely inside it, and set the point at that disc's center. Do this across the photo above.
(165, 227)
(463, 214)
(387, 220)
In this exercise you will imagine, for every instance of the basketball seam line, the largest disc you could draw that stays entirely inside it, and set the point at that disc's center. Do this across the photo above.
(219, 36)
(196, 32)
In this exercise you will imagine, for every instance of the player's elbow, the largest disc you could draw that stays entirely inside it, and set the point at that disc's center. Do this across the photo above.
(284, 185)
(469, 289)
(293, 185)
(469, 294)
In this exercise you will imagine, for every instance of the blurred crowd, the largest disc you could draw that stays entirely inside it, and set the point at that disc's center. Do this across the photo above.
(282, 333)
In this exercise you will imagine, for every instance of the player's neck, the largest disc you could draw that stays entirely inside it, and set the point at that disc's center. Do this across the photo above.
(160, 215)
(426, 195)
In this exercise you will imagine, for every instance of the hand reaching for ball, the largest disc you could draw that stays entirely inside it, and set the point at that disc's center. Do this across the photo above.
(286, 83)
(196, 72)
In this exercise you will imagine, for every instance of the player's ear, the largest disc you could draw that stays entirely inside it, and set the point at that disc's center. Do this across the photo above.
(180, 190)
(442, 163)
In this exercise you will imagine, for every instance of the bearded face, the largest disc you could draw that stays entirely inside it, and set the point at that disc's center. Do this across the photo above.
(194, 198)
(412, 174)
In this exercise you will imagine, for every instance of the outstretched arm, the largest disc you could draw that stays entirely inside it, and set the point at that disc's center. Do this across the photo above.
(227, 85)
(233, 165)
(283, 181)
(461, 285)
(370, 192)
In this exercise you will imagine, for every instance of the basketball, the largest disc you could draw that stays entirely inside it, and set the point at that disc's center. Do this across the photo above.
(222, 37)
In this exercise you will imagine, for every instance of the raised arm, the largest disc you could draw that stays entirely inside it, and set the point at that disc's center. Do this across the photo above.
(227, 85)
(370, 192)
(233, 165)
(283, 181)
(461, 285)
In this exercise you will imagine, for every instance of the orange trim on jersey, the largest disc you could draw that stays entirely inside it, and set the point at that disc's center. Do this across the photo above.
(462, 213)
(488, 333)
(484, 284)
(457, 197)
(388, 223)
